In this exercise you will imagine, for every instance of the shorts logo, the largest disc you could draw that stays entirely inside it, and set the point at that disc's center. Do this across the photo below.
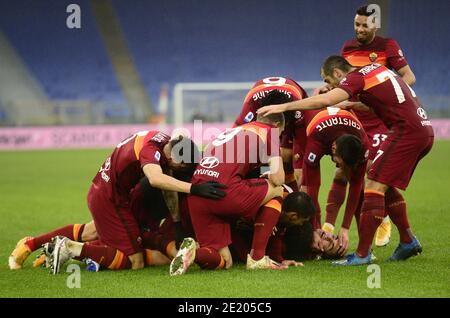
(249, 117)
(157, 155)
(298, 114)
(209, 162)
(373, 56)
(311, 157)
(422, 113)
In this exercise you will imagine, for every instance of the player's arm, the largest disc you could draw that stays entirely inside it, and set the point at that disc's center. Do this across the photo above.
(276, 175)
(160, 180)
(333, 97)
(407, 75)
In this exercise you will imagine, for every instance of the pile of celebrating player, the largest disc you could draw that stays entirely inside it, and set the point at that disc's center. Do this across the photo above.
(157, 200)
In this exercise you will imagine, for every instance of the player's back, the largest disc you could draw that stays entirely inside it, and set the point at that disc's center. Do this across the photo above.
(122, 170)
(331, 123)
(253, 99)
(236, 152)
(394, 102)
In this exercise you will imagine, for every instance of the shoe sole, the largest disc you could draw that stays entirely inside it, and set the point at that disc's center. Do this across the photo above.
(54, 259)
(184, 256)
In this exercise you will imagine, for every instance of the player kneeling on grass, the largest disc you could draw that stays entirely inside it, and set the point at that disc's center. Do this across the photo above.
(149, 153)
(230, 158)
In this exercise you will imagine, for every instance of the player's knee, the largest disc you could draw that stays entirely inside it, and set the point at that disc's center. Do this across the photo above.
(137, 261)
(89, 232)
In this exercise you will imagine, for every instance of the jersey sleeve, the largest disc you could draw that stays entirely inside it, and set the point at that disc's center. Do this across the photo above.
(247, 115)
(311, 163)
(394, 55)
(354, 193)
(150, 154)
(353, 83)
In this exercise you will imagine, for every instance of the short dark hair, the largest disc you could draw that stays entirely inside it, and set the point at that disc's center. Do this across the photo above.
(298, 240)
(184, 150)
(363, 11)
(335, 61)
(299, 202)
(350, 149)
(275, 97)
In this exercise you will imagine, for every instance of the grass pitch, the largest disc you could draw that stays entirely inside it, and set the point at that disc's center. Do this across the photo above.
(42, 190)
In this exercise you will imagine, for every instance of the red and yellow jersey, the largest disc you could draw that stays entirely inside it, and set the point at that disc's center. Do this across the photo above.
(123, 169)
(381, 50)
(237, 151)
(322, 131)
(392, 100)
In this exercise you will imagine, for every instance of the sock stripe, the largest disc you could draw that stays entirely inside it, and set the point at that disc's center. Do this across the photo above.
(222, 263)
(148, 257)
(117, 261)
(374, 192)
(76, 231)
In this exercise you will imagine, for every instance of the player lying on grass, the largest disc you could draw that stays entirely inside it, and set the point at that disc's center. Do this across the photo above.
(409, 140)
(280, 90)
(149, 153)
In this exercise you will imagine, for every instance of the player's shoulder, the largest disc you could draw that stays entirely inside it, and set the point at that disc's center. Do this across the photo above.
(384, 41)
(349, 45)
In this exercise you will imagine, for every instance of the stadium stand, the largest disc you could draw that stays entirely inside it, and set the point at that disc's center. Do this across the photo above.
(207, 41)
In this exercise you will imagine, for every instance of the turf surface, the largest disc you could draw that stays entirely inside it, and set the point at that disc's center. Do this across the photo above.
(43, 190)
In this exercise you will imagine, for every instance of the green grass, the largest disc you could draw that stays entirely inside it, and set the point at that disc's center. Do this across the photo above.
(43, 190)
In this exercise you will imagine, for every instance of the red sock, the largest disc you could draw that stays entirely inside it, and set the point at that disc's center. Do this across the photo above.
(106, 256)
(396, 209)
(208, 258)
(358, 212)
(371, 217)
(72, 231)
(265, 221)
(336, 198)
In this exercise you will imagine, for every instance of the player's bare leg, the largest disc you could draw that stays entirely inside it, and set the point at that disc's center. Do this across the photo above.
(137, 261)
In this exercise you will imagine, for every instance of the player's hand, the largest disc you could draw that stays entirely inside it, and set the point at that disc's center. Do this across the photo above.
(322, 90)
(291, 263)
(210, 190)
(343, 241)
(265, 175)
(345, 105)
(271, 109)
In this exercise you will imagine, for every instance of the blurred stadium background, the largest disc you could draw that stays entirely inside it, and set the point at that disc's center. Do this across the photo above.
(130, 61)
